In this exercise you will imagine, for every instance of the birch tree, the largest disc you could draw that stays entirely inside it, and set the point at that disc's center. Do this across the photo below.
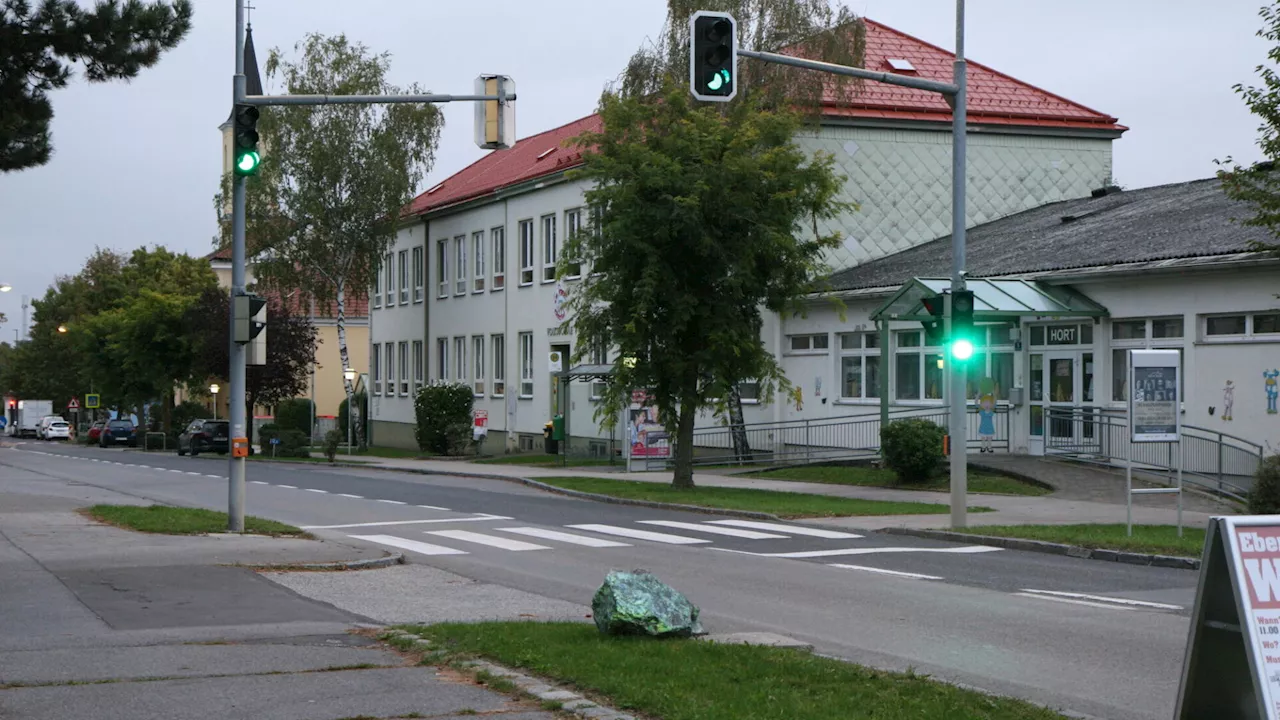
(326, 203)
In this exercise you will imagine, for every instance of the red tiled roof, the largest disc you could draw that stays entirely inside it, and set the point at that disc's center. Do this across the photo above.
(994, 99)
(222, 253)
(357, 304)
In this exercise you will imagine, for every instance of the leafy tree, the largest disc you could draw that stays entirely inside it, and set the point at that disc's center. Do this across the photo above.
(113, 41)
(701, 216)
(326, 203)
(1258, 184)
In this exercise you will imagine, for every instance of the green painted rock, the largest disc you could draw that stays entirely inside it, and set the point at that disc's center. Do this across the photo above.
(638, 603)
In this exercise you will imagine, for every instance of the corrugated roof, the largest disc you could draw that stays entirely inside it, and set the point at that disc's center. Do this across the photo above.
(1192, 219)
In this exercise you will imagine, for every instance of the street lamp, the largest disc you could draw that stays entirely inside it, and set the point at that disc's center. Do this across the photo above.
(214, 388)
(350, 375)
(5, 287)
(62, 329)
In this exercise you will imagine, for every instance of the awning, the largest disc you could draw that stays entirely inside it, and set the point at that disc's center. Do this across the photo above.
(993, 300)
(588, 372)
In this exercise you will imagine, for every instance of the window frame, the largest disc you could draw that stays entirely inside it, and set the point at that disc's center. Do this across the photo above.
(498, 239)
(460, 265)
(499, 353)
(477, 365)
(389, 267)
(810, 348)
(403, 359)
(377, 289)
(550, 248)
(864, 350)
(599, 356)
(478, 243)
(442, 359)
(1250, 335)
(572, 226)
(389, 349)
(924, 353)
(1146, 342)
(418, 370)
(526, 253)
(442, 269)
(460, 359)
(402, 258)
(419, 273)
(375, 367)
(526, 366)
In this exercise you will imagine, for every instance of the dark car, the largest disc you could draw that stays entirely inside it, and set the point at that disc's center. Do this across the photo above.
(95, 430)
(118, 432)
(203, 436)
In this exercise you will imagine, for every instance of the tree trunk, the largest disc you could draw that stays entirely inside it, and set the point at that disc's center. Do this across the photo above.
(356, 420)
(737, 429)
(166, 411)
(684, 445)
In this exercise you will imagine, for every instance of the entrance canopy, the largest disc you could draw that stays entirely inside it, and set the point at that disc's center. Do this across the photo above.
(588, 372)
(993, 300)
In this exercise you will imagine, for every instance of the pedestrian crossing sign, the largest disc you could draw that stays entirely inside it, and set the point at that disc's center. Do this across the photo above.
(92, 401)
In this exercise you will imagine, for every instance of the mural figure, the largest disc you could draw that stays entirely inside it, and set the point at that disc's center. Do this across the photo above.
(1272, 391)
(987, 414)
(1228, 400)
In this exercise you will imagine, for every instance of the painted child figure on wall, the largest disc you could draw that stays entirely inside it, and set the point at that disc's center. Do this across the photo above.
(987, 414)
(1272, 391)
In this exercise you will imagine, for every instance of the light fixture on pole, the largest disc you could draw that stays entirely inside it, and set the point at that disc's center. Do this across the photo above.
(350, 376)
(62, 329)
(5, 287)
(214, 388)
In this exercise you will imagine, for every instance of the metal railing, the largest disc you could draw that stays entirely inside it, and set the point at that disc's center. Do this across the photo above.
(1212, 459)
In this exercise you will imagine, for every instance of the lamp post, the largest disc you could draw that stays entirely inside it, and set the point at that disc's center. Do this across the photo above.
(350, 375)
(5, 287)
(214, 388)
(62, 329)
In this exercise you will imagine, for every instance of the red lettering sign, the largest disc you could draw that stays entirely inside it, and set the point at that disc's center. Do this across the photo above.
(1259, 549)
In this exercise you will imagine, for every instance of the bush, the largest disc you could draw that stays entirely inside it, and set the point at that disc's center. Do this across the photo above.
(443, 415)
(293, 443)
(294, 414)
(332, 440)
(1264, 499)
(912, 449)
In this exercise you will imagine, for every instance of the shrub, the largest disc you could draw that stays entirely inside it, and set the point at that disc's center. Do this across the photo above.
(443, 415)
(332, 440)
(293, 443)
(294, 414)
(1264, 498)
(912, 449)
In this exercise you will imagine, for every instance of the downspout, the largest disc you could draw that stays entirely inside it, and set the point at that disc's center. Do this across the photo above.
(883, 327)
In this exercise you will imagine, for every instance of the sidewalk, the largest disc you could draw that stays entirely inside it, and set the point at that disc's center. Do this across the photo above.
(1082, 494)
(99, 622)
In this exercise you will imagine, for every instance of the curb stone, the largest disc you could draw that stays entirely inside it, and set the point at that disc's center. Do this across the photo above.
(1040, 546)
(369, 564)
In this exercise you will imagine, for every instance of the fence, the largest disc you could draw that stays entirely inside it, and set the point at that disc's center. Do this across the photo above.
(1212, 459)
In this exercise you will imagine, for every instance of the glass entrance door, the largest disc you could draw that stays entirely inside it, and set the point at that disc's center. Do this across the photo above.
(1062, 393)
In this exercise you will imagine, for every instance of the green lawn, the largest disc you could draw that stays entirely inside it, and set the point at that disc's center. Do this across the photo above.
(979, 482)
(181, 521)
(388, 452)
(545, 460)
(782, 504)
(1157, 539)
(699, 680)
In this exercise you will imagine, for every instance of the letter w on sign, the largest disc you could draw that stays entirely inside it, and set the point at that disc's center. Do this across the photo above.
(1265, 579)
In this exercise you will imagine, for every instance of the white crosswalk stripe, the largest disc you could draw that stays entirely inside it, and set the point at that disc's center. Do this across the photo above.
(563, 537)
(882, 571)
(411, 545)
(715, 529)
(789, 529)
(640, 534)
(490, 540)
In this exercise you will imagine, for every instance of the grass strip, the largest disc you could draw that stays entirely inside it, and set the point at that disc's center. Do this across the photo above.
(979, 482)
(782, 504)
(698, 680)
(167, 520)
(544, 460)
(1156, 539)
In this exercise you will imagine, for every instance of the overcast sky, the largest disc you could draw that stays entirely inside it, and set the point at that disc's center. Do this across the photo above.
(138, 163)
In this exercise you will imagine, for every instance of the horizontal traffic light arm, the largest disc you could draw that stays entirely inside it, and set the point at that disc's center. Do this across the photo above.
(364, 99)
(892, 79)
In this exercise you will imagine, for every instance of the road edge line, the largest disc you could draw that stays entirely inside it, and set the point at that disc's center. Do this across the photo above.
(1040, 546)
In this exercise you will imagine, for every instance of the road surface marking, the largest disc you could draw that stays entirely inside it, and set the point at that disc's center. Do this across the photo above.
(968, 550)
(188, 472)
(145, 467)
(413, 545)
(733, 532)
(393, 502)
(490, 540)
(1104, 598)
(1109, 606)
(882, 571)
(792, 529)
(326, 492)
(258, 482)
(404, 522)
(357, 497)
(640, 534)
(563, 537)
(433, 507)
(176, 471)
(289, 487)
(220, 477)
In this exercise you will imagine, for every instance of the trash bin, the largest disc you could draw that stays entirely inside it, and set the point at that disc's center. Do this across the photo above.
(549, 442)
(557, 428)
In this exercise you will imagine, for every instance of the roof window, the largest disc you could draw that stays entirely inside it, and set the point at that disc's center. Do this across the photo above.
(901, 65)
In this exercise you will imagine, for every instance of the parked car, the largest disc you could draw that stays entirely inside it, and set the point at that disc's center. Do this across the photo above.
(205, 435)
(43, 427)
(95, 430)
(118, 432)
(58, 430)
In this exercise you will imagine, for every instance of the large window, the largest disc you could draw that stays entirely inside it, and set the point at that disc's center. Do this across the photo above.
(1257, 326)
(477, 253)
(550, 248)
(499, 237)
(1140, 334)
(477, 359)
(389, 273)
(375, 368)
(572, 225)
(377, 288)
(993, 358)
(526, 252)
(419, 272)
(526, 365)
(417, 366)
(404, 277)
(460, 265)
(599, 356)
(390, 350)
(442, 359)
(818, 343)
(859, 365)
(442, 268)
(404, 368)
(499, 365)
(460, 359)
(917, 369)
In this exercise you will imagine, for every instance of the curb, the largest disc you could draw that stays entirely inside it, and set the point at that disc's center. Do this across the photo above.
(1040, 546)
(370, 564)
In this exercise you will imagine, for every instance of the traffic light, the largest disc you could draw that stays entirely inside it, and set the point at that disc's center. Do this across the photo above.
(250, 317)
(933, 330)
(713, 56)
(963, 334)
(245, 141)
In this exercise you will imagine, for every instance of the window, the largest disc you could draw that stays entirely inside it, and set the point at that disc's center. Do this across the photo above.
(417, 366)
(918, 372)
(375, 367)
(419, 272)
(526, 365)
(477, 252)
(442, 268)
(526, 252)
(1137, 334)
(377, 288)
(460, 359)
(499, 238)
(391, 368)
(749, 391)
(859, 365)
(808, 343)
(389, 271)
(460, 265)
(599, 356)
(477, 358)
(550, 250)
(404, 277)
(572, 225)
(499, 365)
(404, 368)
(1243, 327)
(442, 359)
(993, 358)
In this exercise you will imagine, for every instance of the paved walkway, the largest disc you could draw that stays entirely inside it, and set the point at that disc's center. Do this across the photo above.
(1082, 494)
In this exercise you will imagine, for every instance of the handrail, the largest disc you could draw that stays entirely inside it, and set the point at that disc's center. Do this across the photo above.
(1114, 413)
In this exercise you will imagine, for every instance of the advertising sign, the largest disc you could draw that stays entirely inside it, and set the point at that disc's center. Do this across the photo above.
(648, 437)
(1154, 403)
(480, 424)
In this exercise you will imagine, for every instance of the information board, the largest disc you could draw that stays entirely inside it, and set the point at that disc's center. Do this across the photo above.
(1155, 406)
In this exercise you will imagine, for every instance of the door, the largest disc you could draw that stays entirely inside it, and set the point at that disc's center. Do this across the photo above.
(558, 405)
(1063, 424)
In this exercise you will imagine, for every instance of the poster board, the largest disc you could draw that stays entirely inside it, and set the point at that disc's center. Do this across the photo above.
(1155, 405)
(1231, 669)
(647, 437)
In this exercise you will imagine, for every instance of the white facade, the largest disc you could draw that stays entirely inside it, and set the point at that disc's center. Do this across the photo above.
(397, 311)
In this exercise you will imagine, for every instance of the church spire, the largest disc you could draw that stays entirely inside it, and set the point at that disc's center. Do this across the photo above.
(252, 77)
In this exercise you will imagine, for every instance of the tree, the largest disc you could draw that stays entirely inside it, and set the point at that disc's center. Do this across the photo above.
(699, 224)
(1258, 185)
(327, 201)
(113, 41)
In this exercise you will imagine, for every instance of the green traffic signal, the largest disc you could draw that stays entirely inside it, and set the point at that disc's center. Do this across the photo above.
(962, 349)
(718, 80)
(248, 162)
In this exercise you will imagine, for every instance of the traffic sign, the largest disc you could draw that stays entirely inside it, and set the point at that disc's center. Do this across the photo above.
(92, 401)
(74, 404)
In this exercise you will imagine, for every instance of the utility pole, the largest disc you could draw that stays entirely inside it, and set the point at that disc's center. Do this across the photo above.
(495, 129)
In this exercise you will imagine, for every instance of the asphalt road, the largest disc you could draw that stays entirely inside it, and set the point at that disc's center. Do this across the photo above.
(1100, 639)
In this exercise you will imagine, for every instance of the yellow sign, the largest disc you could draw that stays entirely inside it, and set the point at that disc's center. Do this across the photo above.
(92, 401)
